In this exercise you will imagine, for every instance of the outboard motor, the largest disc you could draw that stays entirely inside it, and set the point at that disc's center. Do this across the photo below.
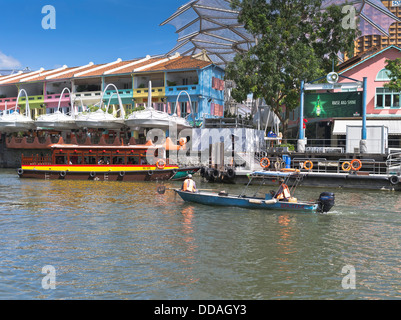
(325, 202)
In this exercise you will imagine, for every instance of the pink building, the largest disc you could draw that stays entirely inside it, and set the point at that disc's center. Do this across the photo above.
(383, 105)
(380, 101)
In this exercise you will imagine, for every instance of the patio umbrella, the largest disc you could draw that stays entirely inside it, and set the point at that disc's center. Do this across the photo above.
(211, 26)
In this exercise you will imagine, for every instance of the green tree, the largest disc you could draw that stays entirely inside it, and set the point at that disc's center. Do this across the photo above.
(393, 68)
(295, 40)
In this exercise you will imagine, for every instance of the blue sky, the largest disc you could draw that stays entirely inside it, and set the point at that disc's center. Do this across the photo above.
(86, 30)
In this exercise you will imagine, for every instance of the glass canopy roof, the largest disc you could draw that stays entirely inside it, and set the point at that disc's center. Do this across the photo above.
(212, 26)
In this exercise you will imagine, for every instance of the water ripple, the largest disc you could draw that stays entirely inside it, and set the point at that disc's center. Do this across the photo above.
(110, 240)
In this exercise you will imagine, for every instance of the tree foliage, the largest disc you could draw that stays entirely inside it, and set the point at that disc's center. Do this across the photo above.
(393, 68)
(295, 40)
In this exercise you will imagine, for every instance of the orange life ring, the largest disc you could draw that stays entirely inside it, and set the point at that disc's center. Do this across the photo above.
(308, 167)
(359, 162)
(183, 141)
(263, 161)
(348, 168)
(160, 164)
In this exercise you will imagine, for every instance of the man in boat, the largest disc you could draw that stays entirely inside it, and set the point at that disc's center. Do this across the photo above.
(283, 192)
(189, 185)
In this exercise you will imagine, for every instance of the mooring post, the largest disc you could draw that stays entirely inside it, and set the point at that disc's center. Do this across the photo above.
(363, 144)
(301, 141)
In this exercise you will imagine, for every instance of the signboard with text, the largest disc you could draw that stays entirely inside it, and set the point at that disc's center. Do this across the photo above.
(333, 105)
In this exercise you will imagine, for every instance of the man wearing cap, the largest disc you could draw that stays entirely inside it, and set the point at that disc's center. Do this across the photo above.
(189, 185)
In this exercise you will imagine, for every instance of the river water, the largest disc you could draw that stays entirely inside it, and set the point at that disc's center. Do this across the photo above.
(118, 240)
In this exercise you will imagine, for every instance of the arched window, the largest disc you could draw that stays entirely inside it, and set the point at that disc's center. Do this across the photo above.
(383, 75)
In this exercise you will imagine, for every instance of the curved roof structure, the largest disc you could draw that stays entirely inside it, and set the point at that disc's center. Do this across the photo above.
(375, 18)
(212, 26)
(209, 25)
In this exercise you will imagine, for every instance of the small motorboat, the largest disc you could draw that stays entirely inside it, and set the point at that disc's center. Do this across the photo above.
(271, 201)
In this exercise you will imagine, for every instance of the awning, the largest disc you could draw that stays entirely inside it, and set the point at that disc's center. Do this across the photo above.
(340, 126)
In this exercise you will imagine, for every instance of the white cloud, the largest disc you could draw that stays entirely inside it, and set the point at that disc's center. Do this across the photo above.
(8, 62)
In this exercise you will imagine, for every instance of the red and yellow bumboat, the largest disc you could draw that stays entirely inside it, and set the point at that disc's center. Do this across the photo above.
(111, 163)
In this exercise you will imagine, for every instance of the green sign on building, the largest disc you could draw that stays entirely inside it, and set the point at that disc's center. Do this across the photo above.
(333, 105)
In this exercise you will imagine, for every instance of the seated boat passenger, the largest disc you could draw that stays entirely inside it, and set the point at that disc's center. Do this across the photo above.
(283, 192)
(189, 185)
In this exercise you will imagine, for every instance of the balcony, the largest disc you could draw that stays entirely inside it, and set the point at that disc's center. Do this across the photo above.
(33, 100)
(157, 92)
(88, 98)
(54, 98)
(192, 89)
(125, 95)
(10, 103)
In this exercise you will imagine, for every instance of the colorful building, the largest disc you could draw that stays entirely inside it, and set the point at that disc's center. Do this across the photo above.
(174, 78)
(383, 105)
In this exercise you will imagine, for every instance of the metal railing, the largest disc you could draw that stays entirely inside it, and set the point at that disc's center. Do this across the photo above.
(337, 145)
(36, 160)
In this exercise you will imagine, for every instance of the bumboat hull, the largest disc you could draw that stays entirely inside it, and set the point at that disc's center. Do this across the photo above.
(215, 199)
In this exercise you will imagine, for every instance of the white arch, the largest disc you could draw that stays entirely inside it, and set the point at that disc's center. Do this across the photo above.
(122, 111)
(190, 103)
(82, 104)
(27, 109)
(61, 96)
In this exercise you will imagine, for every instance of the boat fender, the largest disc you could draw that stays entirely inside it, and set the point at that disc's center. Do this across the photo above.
(92, 174)
(230, 173)
(394, 180)
(216, 173)
(272, 201)
(20, 172)
(150, 172)
(255, 201)
(63, 174)
(122, 173)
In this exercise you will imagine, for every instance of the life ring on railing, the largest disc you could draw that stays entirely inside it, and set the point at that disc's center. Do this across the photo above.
(265, 163)
(359, 162)
(310, 167)
(394, 180)
(346, 168)
(160, 164)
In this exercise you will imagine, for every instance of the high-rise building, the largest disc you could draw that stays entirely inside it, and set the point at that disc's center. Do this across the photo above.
(378, 42)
